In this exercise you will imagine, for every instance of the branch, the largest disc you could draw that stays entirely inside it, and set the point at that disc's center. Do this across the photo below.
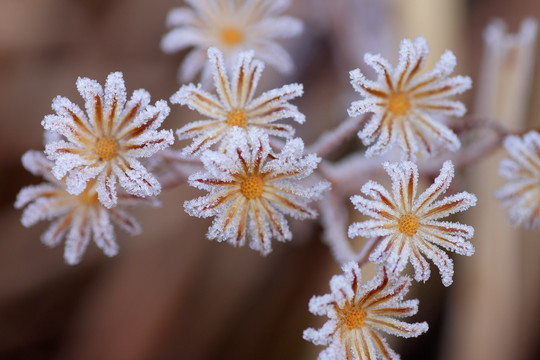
(331, 140)
(173, 169)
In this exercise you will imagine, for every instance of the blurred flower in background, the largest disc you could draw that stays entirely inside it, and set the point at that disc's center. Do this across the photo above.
(522, 192)
(232, 26)
(81, 216)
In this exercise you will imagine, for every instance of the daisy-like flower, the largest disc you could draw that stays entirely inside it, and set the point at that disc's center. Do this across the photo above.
(235, 105)
(409, 227)
(522, 192)
(106, 144)
(232, 26)
(81, 216)
(405, 106)
(250, 188)
(358, 313)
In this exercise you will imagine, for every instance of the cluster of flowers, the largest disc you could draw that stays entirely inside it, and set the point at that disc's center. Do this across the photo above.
(255, 171)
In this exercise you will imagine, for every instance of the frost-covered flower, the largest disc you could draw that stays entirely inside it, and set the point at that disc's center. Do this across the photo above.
(232, 26)
(358, 313)
(235, 105)
(522, 192)
(405, 106)
(106, 144)
(250, 188)
(409, 227)
(81, 216)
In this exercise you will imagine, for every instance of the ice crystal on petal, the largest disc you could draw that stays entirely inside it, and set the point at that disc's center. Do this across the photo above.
(105, 143)
(358, 314)
(409, 226)
(78, 218)
(251, 189)
(232, 26)
(235, 104)
(522, 170)
(405, 105)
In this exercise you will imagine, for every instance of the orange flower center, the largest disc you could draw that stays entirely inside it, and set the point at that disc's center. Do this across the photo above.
(237, 117)
(354, 318)
(398, 104)
(252, 187)
(231, 35)
(106, 148)
(408, 224)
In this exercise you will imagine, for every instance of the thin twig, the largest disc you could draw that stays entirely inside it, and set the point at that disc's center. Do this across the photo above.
(473, 122)
(331, 140)
(173, 169)
(367, 248)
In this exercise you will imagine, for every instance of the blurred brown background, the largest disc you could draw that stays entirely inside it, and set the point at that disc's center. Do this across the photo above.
(172, 294)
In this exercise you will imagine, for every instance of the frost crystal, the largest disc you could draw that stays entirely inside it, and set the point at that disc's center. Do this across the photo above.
(250, 188)
(81, 217)
(409, 227)
(522, 192)
(235, 105)
(232, 26)
(106, 144)
(404, 105)
(359, 313)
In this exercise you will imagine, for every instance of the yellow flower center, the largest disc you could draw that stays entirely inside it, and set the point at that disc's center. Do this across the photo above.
(408, 224)
(237, 117)
(252, 187)
(398, 104)
(231, 35)
(106, 148)
(354, 318)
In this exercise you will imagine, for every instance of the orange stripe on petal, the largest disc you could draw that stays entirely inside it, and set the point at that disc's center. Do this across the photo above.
(219, 201)
(242, 223)
(200, 128)
(98, 116)
(141, 128)
(381, 346)
(81, 125)
(206, 104)
(444, 208)
(375, 92)
(128, 118)
(216, 182)
(370, 294)
(434, 107)
(112, 116)
(429, 93)
(283, 201)
(141, 146)
(393, 311)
